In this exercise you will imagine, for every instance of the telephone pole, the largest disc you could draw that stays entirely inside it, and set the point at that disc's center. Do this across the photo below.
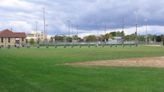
(146, 32)
(105, 29)
(36, 34)
(44, 22)
(36, 28)
(77, 29)
(163, 40)
(69, 28)
(123, 29)
(136, 13)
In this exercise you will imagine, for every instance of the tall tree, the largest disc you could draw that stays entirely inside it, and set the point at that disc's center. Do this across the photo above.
(90, 38)
(59, 38)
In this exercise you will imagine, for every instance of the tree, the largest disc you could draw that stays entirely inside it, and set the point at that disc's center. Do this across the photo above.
(158, 38)
(151, 37)
(107, 36)
(121, 34)
(75, 37)
(141, 38)
(51, 40)
(59, 38)
(90, 38)
(113, 34)
(69, 39)
(32, 42)
(131, 37)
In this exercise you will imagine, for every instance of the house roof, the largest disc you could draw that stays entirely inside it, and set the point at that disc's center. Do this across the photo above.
(8, 33)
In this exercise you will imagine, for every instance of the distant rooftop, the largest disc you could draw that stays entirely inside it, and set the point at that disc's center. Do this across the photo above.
(8, 33)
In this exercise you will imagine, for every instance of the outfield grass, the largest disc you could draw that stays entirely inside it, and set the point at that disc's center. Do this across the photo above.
(42, 70)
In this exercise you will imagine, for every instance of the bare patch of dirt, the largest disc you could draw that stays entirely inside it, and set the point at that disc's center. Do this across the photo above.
(134, 62)
(153, 45)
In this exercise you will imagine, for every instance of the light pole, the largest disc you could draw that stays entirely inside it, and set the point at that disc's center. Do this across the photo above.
(36, 34)
(44, 22)
(136, 33)
(77, 29)
(46, 32)
(123, 29)
(105, 29)
(36, 28)
(69, 27)
(146, 31)
(163, 39)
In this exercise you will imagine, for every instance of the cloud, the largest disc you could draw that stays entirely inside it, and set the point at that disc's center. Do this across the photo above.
(112, 12)
(88, 15)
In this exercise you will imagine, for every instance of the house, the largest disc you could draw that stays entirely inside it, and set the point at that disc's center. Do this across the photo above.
(9, 38)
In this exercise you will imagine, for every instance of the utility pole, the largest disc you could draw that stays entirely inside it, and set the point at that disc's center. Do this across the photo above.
(123, 29)
(163, 39)
(44, 22)
(105, 29)
(146, 32)
(77, 29)
(97, 36)
(136, 28)
(36, 28)
(69, 28)
(123, 22)
(36, 33)
(46, 30)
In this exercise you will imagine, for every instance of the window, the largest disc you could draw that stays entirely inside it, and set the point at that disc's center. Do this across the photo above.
(1, 40)
(8, 40)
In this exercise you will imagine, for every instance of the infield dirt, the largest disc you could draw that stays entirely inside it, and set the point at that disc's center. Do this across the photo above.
(133, 62)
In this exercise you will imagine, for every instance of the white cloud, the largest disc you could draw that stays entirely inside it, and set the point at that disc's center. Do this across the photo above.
(19, 4)
(89, 15)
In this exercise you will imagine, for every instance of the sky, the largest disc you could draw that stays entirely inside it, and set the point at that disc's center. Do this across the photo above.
(83, 17)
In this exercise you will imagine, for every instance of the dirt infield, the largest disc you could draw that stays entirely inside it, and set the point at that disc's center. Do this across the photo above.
(134, 62)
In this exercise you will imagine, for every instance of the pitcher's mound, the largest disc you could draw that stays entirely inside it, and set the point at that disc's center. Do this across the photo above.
(134, 62)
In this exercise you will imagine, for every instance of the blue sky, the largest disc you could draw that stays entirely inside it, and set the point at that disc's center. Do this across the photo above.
(90, 16)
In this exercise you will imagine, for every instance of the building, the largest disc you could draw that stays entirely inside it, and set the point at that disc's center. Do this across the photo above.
(9, 38)
(36, 36)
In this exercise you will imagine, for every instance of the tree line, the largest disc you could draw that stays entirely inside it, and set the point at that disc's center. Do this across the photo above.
(106, 37)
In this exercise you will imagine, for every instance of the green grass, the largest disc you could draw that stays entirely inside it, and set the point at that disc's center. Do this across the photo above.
(42, 70)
